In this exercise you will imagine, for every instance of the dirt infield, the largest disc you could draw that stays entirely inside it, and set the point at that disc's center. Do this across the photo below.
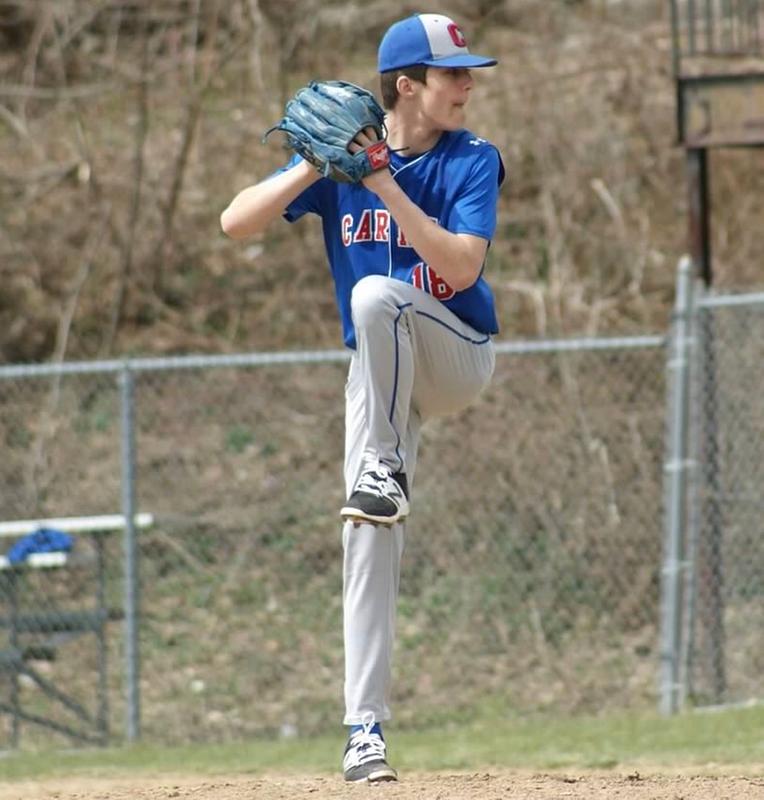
(423, 786)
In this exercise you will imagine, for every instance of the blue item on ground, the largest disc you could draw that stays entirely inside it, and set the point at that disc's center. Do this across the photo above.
(43, 540)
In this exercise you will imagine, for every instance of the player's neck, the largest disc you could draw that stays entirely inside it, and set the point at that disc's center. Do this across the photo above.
(410, 137)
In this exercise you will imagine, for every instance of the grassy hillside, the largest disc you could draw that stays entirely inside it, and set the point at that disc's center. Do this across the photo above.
(126, 128)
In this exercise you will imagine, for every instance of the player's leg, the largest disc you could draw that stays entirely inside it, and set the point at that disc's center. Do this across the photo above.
(385, 372)
(412, 352)
(454, 363)
(371, 569)
(371, 574)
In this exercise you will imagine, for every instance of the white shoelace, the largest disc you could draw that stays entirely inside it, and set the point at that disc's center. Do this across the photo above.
(365, 746)
(378, 481)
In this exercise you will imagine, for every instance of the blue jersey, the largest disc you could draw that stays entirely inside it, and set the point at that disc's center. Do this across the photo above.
(456, 183)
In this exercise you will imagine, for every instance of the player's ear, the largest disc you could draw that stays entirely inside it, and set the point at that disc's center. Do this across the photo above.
(405, 86)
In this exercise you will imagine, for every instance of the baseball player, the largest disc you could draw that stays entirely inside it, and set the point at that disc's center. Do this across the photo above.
(406, 246)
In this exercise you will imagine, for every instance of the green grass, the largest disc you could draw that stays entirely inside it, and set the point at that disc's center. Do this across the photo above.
(700, 742)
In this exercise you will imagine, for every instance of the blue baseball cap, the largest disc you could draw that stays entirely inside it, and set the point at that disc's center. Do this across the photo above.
(431, 40)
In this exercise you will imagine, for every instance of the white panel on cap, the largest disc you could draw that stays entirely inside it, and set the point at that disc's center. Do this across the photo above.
(441, 43)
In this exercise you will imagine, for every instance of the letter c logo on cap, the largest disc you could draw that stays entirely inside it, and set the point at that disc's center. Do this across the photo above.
(457, 37)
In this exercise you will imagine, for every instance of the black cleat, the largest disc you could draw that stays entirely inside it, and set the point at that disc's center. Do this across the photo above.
(365, 757)
(380, 495)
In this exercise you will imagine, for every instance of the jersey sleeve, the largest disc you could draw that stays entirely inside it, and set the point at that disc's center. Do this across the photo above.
(474, 211)
(308, 201)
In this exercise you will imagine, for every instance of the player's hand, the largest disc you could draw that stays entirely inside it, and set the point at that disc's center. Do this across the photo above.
(363, 139)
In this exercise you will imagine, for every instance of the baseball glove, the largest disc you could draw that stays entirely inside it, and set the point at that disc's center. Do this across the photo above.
(321, 121)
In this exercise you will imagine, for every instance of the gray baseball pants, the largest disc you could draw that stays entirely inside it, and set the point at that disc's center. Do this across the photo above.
(414, 360)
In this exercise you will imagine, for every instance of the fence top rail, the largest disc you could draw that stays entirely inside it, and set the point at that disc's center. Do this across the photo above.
(724, 300)
(159, 363)
(156, 364)
(530, 347)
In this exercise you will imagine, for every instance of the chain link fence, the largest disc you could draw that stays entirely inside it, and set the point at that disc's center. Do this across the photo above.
(532, 571)
(724, 637)
(60, 454)
(532, 557)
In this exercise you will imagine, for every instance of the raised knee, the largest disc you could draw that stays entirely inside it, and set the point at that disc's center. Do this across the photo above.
(369, 297)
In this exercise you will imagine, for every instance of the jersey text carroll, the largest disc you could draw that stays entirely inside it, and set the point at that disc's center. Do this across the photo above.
(373, 225)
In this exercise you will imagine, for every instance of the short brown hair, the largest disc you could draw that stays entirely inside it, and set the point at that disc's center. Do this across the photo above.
(388, 81)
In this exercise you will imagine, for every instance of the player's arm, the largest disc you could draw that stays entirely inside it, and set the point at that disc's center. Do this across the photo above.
(456, 257)
(254, 208)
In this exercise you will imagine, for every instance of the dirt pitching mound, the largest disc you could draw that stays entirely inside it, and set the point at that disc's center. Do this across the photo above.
(420, 786)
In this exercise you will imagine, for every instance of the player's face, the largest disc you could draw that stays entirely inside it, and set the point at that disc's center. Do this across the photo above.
(445, 96)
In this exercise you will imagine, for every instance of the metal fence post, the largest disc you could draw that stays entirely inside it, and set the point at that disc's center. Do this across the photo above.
(130, 552)
(675, 490)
